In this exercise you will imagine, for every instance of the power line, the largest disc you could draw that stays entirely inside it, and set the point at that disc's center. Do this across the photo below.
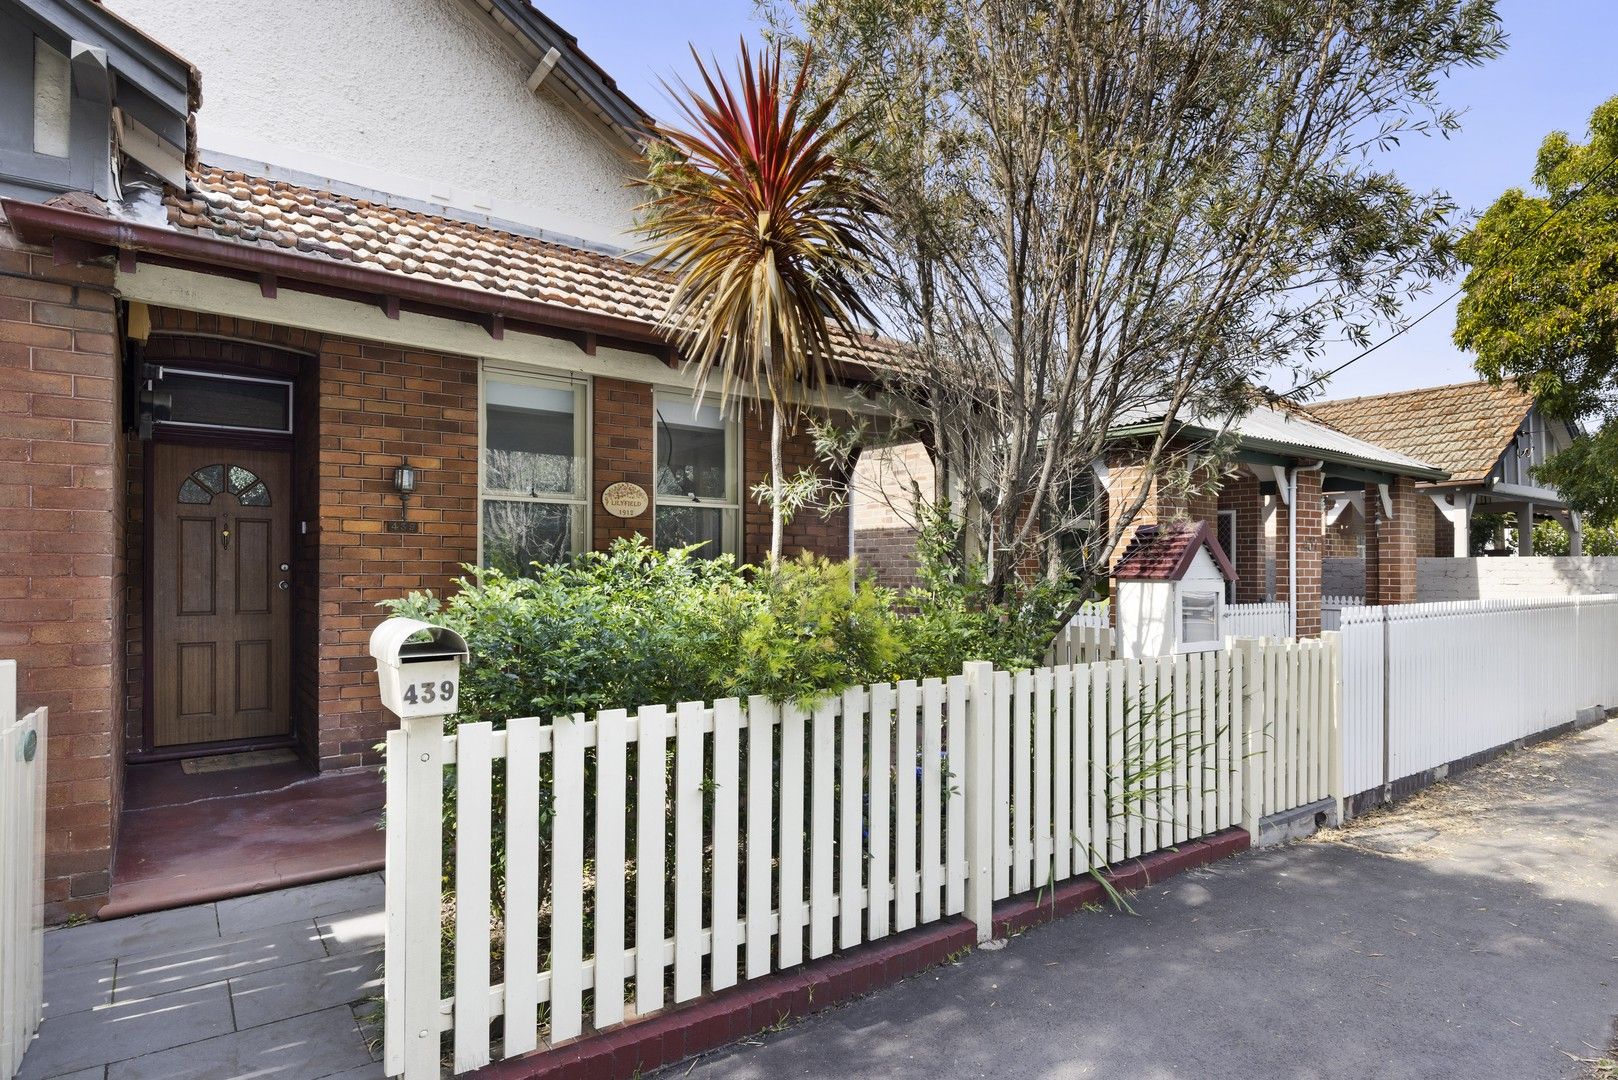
(1565, 202)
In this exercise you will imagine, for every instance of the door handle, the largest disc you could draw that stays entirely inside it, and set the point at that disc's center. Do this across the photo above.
(283, 586)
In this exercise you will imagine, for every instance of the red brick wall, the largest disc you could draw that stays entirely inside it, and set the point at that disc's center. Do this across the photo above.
(380, 404)
(886, 480)
(622, 421)
(1391, 543)
(1311, 542)
(1241, 494)
(1345, 536)
(808, 530)
(61, 548)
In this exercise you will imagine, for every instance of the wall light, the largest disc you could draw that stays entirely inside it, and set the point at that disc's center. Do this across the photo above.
(404, 481)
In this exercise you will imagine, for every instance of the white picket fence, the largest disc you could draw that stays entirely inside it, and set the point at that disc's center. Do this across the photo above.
(1331, 610)
(1086, 638)
(1428, 684)
(1270, 619)
(695, 846)
(22, 871)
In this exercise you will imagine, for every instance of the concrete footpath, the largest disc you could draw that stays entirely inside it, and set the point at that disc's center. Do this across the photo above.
(1470, 932)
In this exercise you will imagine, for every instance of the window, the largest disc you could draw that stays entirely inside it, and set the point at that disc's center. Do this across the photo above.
(532, 480)
(1227, 541)
(698, 477)
(1199, 620)
(199, 399)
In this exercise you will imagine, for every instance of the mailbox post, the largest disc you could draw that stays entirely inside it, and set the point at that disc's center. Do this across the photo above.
(418, 670)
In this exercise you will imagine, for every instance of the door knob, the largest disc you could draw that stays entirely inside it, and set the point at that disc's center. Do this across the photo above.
(283, 586)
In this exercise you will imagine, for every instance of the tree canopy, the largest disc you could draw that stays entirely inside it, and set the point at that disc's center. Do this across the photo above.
(1540, 301)
(1103, 210)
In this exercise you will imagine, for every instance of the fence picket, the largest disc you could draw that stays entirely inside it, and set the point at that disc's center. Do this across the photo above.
(955, 692)
(1041, 824)
(725, 922)
(1117, 738)
(1062, 757)
(761, 715)
(1002, 786)
(789, 942)
(567, 878)
(850, 842)
(612, 755)
(651, 831)
(879, 889)
(932, 768)
(474, 760)
(1180, 748)
(822, 829)
(1191, 819)
(904, 807)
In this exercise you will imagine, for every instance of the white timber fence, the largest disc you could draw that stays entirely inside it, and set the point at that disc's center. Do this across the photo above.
(1331, 609)
(1271, 619)
(1425, 685)
(22, 871)
(642, 858)
(1086, 638)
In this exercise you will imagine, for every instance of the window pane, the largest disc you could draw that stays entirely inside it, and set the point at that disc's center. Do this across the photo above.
(682, 526)
(517, 534)
(530, 439)
(1199, 617)
(692, 451)
(233, 403)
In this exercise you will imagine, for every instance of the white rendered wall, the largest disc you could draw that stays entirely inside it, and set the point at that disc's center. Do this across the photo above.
(419, 98)
(1146, 613)
(1503, 578)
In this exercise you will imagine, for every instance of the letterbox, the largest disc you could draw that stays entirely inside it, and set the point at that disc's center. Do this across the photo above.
(418, 667)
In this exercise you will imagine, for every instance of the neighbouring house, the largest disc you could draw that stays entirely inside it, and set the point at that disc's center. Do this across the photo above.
(1488, 437)
(1267, 454)
(360, 315)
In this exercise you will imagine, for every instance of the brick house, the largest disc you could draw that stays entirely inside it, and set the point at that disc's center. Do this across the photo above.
(1277, 453)
(1489, 439)
(267, 361)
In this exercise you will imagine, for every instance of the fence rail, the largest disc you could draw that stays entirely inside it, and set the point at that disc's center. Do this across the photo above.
(652, 856)
(22, 871)
(1428, 684)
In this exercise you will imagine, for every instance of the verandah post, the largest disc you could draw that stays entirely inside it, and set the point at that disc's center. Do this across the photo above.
(978, 792)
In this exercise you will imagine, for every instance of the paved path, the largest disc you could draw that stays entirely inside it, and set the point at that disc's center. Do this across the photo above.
(272, 986)
(1472, 932)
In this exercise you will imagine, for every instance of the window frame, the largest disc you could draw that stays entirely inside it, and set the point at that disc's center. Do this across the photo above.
(164, 370)
(731, 539)
(1203, 645)
(583, 426)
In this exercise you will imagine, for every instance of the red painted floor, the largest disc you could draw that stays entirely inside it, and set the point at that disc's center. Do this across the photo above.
(194, 839)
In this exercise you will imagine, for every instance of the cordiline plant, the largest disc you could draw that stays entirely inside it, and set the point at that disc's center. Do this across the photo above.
(765, 227)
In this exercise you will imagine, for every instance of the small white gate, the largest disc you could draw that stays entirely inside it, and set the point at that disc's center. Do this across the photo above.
(22, 872)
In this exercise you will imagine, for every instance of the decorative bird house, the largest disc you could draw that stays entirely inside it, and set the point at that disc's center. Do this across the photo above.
(1170, 594)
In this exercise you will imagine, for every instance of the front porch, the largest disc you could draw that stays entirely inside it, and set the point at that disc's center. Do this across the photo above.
(190, 837)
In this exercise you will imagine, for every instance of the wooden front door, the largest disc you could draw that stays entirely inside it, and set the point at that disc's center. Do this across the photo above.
(219, 562)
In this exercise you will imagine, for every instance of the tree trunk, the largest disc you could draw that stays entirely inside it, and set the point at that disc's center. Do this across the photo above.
(777, 524)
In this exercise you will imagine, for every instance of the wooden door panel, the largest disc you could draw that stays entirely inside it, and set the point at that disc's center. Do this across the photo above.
(220, 638)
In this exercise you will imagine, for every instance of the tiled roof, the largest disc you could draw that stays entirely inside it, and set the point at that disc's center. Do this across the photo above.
(1462, 428)
(247, 209)
(1164, 552)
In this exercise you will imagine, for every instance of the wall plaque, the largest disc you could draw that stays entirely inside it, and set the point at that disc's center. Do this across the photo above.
(624, 500)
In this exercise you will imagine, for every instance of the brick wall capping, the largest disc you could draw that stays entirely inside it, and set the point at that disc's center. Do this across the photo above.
(92, 234)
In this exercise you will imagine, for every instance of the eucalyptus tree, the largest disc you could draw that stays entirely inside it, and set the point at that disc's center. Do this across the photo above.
(1109, 210)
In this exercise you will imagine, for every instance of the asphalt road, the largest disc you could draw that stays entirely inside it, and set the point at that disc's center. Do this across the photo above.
(1471, 932)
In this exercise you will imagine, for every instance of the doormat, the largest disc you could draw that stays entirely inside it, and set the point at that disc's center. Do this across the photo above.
(249, 759)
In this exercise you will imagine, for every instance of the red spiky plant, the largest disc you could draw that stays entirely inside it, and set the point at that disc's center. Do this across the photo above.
(765, 227)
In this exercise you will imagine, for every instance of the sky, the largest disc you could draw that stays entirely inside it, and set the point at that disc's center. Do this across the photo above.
(1556, 69)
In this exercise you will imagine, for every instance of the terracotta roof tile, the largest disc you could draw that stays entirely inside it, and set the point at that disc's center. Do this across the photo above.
(1164, 552)
(1462, 428)
(248, 209)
